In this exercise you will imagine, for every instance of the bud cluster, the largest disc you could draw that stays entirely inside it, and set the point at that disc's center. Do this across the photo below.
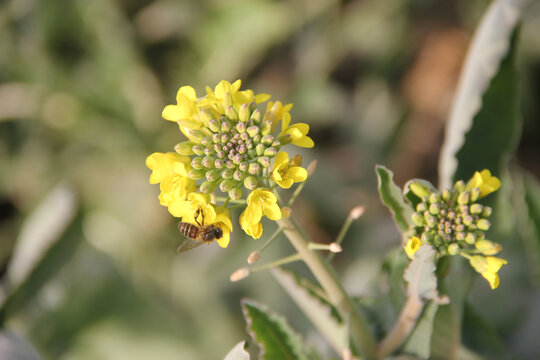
(232, 151)
(450, 220)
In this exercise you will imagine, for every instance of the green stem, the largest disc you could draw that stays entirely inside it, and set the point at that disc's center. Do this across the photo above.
(341, 235)
(276, 233)
(282, 261)
(362, 338)
(296, 193)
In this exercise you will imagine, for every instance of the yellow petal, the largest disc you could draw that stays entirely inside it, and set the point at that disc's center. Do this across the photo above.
(224, 240)
(187, 92)
(492, 278)
(260, 98)
(282, 158)
(304, 141)
(171, 113)
(412, 246)
(297, 174)
(273, 212)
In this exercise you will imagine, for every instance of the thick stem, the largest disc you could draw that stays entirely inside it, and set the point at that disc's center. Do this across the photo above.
(361, 336)
(403, 327)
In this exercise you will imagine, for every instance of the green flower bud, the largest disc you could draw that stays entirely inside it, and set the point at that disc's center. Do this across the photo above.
(235, 193)
(446, 194)
(208, 162)
(487, 212)
(206, 140)
(276, 144)
(434, 209)
(259, 149)
(438, 240)
(264, 161)
(198, 149)
(475, 194)
(470, 238)
(254, 169)
(243, 112)
(239, 175)
(476, 209)
(426, 237)
(250, 182)
(434, 198)
(226, 185)
(459, 186)
(271, 152)
(460, 236)
(212, 175)
(225, 125)
(421, 207)
(483, 224)
(230, 164)
(243, 166)
(227, 174)
(256, 116)
(219, 163)
(253, 130)
(184, 148)
(209, 151)
(241, 127)
(208, 187)
(196, 163)
(216, 138)
(267, 140)
(419, 189)
(251, 154)
(257, 139)
(464, 198)
(468, 220)
(231, 113)
(214, 125)
(418, 220)
(453, 249)
(266, 128)
(195, 174)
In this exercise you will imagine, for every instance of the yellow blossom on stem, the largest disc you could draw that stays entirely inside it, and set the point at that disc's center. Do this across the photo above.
(226, 94)
(285, 173)
(296, 132)
(484, 182)
(488, 266)
(170, 170)
(487, 247)
(412, 246)
(274, 112)
(260, 202)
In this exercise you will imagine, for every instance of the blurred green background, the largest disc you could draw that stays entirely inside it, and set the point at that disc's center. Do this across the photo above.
(86, 246)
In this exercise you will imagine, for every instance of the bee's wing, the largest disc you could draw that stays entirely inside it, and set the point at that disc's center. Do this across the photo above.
(188, 244)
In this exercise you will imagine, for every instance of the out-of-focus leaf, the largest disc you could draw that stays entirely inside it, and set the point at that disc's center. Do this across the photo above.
(43, 227)
(418, 343)
(13, 347)
(484, 121)
(392, 197)
(531, 224)
(420, 274)
(275, 338)
(238, 352)
(394, 265)
(479, 335)
(318, 311)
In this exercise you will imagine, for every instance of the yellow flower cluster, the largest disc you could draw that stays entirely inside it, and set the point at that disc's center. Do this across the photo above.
(231, 146)
(453, 230)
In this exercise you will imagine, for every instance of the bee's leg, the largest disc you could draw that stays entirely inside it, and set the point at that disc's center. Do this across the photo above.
(197, 213)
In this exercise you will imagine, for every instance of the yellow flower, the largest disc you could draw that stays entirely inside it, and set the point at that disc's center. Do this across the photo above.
(297, 132)
(260, 202)
(274, 112)
(484, 182)
(185, 112)
(488, 267)
(226, 94)
(487, 247)
(412, 246)
(285, 173)
(207, 214)
(170, 170)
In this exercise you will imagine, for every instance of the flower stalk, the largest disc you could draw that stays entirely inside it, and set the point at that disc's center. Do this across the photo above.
(362, 338)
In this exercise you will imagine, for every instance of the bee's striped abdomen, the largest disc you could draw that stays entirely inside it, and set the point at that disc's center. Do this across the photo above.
(188, 230)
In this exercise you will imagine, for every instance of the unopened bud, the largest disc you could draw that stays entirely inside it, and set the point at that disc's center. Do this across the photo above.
(198, 149)
(207, 140)
(453, 249)
(356, 212)
(259, 149)
(195, 174)
(214, 125)
(208, 187)
(196, 135)
(235, 193)
(219, 163)
(286, 212)
(417, 219)
(271, 152)
(254, 169)
(267, 140)
(239, 274)
(434, 209)
(231, 113)
(212, 175)
(464, 198)
(256, 116)
(335, 247)
(225, 125)
(184, 148)
(487, 211)
(264, 161)
(239, 175)
(253, 257)
(243, 112)
(483, 224)
(446, 194)
(459, 186)
(250, 182)
(419, 189)
(196, 163)
(266, 128)
(470, 238)
(434, 198)
(253, 130)
(226, 185)
(208, 162)
(487, 247)
(475, 194)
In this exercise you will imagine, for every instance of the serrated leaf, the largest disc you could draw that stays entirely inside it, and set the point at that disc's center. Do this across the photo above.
(238, 352)
(484, 122)
(318, 311)
(275, 338)
(418, 343)
(392, 197)
(420, 274)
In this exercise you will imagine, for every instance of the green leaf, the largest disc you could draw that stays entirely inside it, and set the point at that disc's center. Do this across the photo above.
(484, 123)
(391, 196)
(479, 335)
(272, 333)
(420, 275)
(530, 224)
(319, 311)
(238, 352)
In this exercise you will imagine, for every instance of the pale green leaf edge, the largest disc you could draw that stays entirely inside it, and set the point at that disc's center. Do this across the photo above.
(392, 198)
(238, 352)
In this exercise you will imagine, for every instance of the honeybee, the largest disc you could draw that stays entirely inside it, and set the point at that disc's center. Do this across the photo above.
(198, 234)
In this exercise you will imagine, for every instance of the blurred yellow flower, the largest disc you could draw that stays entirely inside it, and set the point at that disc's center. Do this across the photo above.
(488, 266)
(487, 247)
(260, 202)
(412, 246)
(297, 132)
(226, 94)
(274, 112)
(285, 173)
(484, 182)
